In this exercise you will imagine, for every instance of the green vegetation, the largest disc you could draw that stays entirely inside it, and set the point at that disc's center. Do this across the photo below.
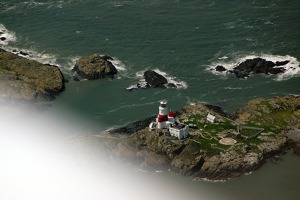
(207, 134)
(267, 116)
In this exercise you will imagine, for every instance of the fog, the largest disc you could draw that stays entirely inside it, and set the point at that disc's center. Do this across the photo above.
(37, 162)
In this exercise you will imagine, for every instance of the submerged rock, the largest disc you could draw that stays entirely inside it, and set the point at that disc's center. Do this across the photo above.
(23, 79)
(95, 67)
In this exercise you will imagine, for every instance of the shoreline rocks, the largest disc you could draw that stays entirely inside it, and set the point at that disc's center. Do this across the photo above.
(24, 79)
(95, 67)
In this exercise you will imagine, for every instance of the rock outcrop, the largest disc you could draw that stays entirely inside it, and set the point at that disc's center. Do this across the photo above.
(255, 66)
(24, 79)
(154, 80)
(95, 67)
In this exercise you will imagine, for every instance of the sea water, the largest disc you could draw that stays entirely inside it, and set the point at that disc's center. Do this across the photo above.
(184, 40)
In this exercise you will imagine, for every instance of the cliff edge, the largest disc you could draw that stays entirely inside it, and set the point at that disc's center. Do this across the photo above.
(24, 79)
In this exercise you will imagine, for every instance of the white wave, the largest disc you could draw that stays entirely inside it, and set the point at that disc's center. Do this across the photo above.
(118, 64)
(6, 36)
(223, 58)
(233, 88)
(292, 69)
(20, 7)
(31, 54)
(72, 61)
(208, 180)
(171, 79)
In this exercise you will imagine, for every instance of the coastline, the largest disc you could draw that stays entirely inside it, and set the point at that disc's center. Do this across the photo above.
(22, 79)
(201, 157)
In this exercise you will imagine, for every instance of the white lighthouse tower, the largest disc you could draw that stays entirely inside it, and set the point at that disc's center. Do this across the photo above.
(162, 117)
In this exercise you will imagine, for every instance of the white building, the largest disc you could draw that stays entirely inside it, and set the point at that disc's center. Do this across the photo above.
(211, 118)
(179, 130)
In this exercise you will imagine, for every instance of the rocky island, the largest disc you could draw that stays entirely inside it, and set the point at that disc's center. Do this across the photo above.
(153, 79)
(255, 66)
(24, 79)
(228, 148)
(94, 67)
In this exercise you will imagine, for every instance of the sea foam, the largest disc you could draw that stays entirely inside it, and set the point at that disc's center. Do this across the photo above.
(32, 54)
(6, 36)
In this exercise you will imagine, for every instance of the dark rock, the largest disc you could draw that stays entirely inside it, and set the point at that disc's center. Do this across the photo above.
(220, 68)
(75, 78)
(257, 66)
(240, 74)
(2, 38)
(154, 79)
(23, 53)
(106, 57)
(219, 110)
(281, 63)
(297, 149)
(1, 33)
(276, 70)
(248, 65)
(263, 66)
(94, 67)
(132, 127)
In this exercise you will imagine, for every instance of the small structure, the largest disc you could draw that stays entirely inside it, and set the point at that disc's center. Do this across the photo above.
(211, 118)
(167, 120)
(179, 130)
(152, 126)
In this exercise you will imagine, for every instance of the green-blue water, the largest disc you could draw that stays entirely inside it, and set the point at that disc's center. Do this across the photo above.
(181, 38)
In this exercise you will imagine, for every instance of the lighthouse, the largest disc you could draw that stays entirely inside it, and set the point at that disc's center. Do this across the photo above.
(167, 120)
(162, 117)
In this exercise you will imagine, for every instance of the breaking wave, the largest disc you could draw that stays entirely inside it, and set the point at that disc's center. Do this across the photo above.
(19, 7)
(6, 36)
(31, 53)
(42, 57)
(292, 69)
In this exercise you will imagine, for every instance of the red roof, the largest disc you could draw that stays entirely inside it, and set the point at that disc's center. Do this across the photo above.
(172, 114)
